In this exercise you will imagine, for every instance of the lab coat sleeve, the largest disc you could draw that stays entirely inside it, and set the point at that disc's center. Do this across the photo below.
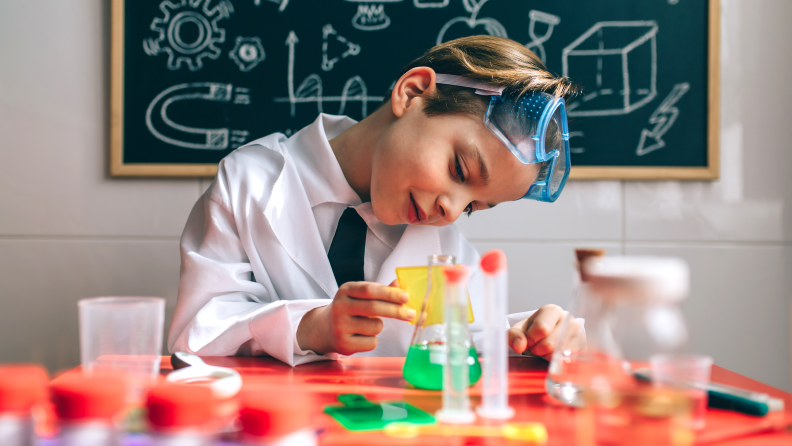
(221, 310)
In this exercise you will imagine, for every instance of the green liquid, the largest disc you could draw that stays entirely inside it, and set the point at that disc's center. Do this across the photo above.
(423, 367)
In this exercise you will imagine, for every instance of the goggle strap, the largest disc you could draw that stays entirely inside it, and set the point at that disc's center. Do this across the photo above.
(482, 88)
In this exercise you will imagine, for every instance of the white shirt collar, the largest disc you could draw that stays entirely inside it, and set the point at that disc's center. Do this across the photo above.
(322, 177)
(319, 171)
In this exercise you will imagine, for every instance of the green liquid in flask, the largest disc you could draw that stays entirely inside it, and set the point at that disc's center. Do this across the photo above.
(423, 367)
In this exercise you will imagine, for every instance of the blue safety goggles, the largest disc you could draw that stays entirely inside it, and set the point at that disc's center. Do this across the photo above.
(533, 127)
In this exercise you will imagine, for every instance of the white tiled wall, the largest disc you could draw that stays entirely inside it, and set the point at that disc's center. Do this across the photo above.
(68, 230)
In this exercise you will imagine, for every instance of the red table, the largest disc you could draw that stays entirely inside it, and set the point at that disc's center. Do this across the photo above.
(380, 379)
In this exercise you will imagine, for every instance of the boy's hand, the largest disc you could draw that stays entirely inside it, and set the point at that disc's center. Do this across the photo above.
(539, 334)
(351, 323)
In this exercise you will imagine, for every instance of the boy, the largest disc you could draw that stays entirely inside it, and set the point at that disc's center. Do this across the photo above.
(290, 250)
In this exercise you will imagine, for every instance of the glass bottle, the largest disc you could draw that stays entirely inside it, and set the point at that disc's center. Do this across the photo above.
(426, 355)
(630, 306)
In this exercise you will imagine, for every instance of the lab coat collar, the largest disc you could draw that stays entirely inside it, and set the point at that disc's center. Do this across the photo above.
(317, 166)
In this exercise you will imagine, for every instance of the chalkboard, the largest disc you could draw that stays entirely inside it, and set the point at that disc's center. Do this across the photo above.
(194, 79)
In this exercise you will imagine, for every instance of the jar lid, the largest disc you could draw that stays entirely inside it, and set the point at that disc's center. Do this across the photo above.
(272, 413)
(82, 398)
(22, 386)
(659, 279)
(180, 406)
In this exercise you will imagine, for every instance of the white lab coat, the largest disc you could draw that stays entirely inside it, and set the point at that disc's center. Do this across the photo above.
(253, 262)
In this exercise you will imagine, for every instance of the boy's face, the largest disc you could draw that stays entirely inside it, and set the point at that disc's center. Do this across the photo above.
(428, 170)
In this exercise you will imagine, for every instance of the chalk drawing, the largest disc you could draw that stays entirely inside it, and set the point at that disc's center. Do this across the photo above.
(422, 4)
(491, 26)
(169, 131)
(536, 43)
(576, 134)
(371, 15)
(247, 53)
(310, 89)
(282, 3)
(662, 118)
(196, 14)
(608, 48)
(352, 49)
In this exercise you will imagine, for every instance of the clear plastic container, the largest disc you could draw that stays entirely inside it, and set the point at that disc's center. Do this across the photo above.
(456, 370)
(631, 310)
(423, 366)
(122, 334)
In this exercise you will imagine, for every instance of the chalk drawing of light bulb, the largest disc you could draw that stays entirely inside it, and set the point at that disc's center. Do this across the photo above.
(536, 43)
(371, 15)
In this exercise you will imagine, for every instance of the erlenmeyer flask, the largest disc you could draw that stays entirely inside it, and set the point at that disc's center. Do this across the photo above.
(423, 367)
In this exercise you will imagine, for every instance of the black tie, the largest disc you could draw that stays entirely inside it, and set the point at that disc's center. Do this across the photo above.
(348, 248)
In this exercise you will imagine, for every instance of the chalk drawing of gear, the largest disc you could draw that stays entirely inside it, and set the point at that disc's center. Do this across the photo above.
(168, 131)
(187, 32)
(247, 53)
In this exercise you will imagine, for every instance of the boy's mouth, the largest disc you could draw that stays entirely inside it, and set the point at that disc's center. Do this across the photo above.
(414, 214)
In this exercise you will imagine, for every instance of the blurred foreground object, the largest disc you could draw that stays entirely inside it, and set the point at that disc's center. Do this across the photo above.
(87, 408)
(22, 388)
(631, 308)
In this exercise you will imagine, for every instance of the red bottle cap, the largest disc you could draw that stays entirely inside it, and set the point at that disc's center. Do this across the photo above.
(493, 262)
(457, 274)
(180, 406)
(274, 413)
(22, 386)
(81, 398)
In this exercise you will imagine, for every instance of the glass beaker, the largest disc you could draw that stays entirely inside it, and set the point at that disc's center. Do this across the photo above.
(426, 355)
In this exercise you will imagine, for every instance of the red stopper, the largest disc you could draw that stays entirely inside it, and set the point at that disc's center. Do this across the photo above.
(179, 406)
(83, 398)
(457, 274)
(274, 413)
(493, 262)
(22, 386)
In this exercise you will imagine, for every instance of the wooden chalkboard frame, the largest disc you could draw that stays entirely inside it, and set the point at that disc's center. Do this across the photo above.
(709, 172)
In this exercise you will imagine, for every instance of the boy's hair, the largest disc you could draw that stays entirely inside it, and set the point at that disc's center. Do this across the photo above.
(495, 60)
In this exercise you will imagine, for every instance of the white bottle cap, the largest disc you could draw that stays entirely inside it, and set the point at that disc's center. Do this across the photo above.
(647, 279)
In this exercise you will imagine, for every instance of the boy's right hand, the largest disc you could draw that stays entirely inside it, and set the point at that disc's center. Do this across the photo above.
(351, 323)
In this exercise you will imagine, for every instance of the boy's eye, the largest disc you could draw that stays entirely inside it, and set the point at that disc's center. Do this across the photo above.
(460, 174)
(469, 209)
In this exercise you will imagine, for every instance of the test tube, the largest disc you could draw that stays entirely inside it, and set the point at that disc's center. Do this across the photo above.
(495, 368)
(456, 403)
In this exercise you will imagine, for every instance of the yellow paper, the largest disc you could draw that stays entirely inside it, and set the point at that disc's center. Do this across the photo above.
(414, 280)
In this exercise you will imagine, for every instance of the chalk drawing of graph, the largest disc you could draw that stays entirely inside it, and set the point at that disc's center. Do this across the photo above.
(310, 89)
(371, 15)
(164, 128)
(468, 25)
(616, 62)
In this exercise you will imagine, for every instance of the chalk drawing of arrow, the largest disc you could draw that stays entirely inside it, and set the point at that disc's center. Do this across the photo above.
(291, 41)
(662, 118)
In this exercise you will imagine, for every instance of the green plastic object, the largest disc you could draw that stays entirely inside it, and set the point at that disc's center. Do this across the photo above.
(423, 367)
(359, 414)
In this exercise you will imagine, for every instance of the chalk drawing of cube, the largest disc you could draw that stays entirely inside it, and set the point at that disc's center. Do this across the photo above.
(616, 63)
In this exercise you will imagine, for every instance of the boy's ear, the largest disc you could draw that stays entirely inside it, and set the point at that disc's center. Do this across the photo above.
(410, 86)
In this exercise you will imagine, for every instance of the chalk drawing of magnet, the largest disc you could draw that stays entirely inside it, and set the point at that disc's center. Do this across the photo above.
(167, 130)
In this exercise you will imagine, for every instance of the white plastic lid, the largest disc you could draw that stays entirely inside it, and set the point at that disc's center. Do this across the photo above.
(656, 279)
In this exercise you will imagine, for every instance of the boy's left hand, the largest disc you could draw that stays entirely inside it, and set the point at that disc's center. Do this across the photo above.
(539, 334)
